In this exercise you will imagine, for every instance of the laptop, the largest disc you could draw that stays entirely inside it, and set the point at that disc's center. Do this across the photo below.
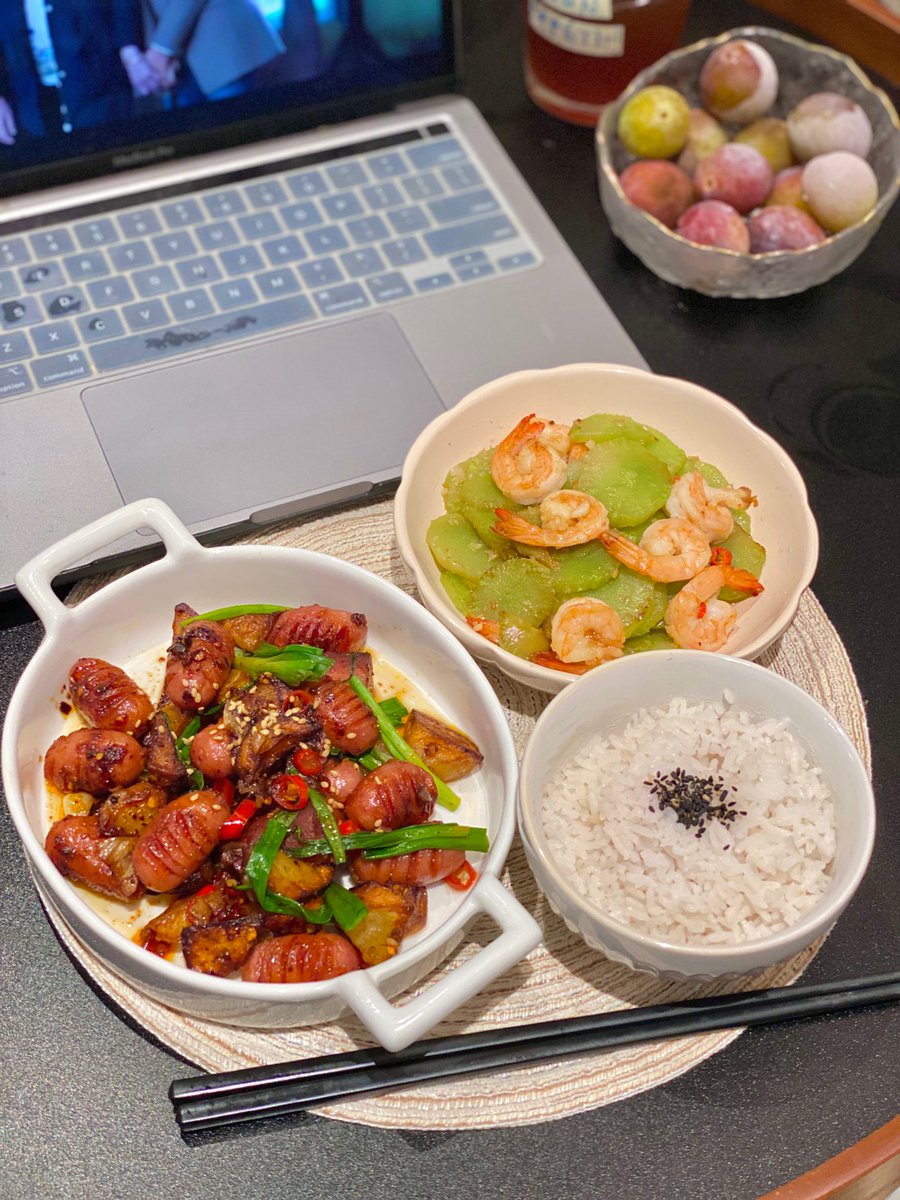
(247, 294)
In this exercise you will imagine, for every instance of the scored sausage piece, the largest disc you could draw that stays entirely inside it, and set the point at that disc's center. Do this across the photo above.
(93, 760)
(103, 864)
(421, 867)
(212, 751)
(327, 628)
(395, 794)
(301, 958)
(107, 698)
(178, 839)
(198, 661)
(349, 724)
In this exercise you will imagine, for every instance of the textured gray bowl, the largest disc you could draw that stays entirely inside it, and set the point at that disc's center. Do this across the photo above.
(803, 68)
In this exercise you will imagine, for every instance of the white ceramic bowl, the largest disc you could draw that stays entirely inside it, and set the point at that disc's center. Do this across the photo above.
(803, 68)
(132, 615)
(701, 422)
(602, 701)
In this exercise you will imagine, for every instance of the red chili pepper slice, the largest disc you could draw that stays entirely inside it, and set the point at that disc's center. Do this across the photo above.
(462, 878)
(290, 792)
(225, 788)
(308, 761)
(155, 946)
(204, 891)
(235, 825)
(299, 696)
(348, 826)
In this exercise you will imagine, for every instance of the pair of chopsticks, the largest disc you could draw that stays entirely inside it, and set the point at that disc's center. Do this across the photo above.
(207, 1101)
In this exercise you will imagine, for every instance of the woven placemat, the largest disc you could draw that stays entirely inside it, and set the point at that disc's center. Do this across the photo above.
(561, 978)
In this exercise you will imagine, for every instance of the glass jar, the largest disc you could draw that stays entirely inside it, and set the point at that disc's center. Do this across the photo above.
(580, 54)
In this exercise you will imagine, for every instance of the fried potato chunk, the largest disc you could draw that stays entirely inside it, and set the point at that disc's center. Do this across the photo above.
(394, 912)
(299, 878)
(445, 750)
(219, 949)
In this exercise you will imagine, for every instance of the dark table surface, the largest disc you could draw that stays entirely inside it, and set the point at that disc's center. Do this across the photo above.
(83, 1107)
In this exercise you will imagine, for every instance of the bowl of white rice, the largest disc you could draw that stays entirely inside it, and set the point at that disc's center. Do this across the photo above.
(694, 815)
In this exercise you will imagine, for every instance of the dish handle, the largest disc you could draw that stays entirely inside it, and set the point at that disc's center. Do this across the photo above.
(396, 1026)
(35, 578)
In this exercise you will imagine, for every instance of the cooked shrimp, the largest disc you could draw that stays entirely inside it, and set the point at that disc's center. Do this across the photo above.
(568, 518)
(556, 437)
(585, 630)
(524, 467)
(671, 549)
(694, 619)
(709, 508)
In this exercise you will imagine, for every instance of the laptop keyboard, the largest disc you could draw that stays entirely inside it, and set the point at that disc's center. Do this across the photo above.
(283, 248)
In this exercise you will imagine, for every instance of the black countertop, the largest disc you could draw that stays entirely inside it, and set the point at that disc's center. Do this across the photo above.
(84, 1112)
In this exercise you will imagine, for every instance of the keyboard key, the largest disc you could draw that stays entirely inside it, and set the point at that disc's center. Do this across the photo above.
(9, 285)
(284, 249)
(242, 261)
(321, 272)
(307, 183)
(125, 352)
(186, 306)
(96, 233)
(341, 205)
(14, 346)
(513, 261)
(301, 216)
(385, 288)
(52, 242)
(13, 251)
(14, 381)
(182, 212)
(199, 270)
(233, 295)
(431, 283)
(60, 335)
(385, 166)
(224, 204)
(403, 252)
(348, 297)
(423, 187)
(44, 275)
(139, 224)
(266, 194)
(435, 153)
(144, 316)
(130, 255)
(409, 219)
(257, 225)
(61, 368)
(24, 311)
(476, 271)
(218, 236)
(95, 327)
(154, 281)
(468, 259)
(383, 195)
(349, 174)
(63, 303)
(367, 229)
(459, 178)
(110, 291)
(327, 239)
(87, 266)
(461, 208)
(277, 283)
(174, 245)
(362, 262)
(465, 237)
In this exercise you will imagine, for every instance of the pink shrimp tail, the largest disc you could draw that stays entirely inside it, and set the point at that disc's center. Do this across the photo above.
(742, 581)
(546, 658)
(720, 557)
(487, 629)
(517, 529)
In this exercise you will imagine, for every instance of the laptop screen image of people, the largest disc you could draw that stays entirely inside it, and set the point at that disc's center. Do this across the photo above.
(204, 282)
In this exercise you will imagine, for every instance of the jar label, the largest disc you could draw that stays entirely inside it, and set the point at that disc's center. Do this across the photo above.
(579, 37)
(594, 10)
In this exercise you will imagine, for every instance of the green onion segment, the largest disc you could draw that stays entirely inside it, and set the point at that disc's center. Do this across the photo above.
(183, 750)
(395, 710)
(329, 826)
(346, 908)
(292, 664)
(391, 842)
(236, 610)
(259, 865)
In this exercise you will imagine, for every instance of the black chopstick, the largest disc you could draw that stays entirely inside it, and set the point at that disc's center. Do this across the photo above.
(208, 1101)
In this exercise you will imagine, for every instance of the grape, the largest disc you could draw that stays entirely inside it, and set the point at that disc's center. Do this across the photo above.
(737, 175)
(839, 189)
(769, 136)
(705, 134)
(781, 227)
(739, 82)
(659, 188)
(825, 122)
(712, 223)
(654, 123)
(788, 188)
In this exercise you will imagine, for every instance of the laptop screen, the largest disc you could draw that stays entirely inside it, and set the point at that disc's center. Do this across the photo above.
(89, 86)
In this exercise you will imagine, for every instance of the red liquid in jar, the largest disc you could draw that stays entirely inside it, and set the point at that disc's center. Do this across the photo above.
(575, 85)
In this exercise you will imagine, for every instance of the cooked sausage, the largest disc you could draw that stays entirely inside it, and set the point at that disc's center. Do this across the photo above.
(395, 794)
(348, 722)
(107, 698)
(178, 839)
(339, 781)
(103, 864)
(198, 661)
(211, 751)
(163, 766)
(301, 958)
(345, 665)
(421, 867)
(314, 625)
(93, 760)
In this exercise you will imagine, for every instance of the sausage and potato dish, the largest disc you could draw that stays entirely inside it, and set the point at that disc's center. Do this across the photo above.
(283, 814)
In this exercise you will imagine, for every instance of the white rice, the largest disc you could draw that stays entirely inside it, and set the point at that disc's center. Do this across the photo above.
(742, 880)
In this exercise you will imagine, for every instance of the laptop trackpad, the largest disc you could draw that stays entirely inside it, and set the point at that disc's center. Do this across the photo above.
(241, 429)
